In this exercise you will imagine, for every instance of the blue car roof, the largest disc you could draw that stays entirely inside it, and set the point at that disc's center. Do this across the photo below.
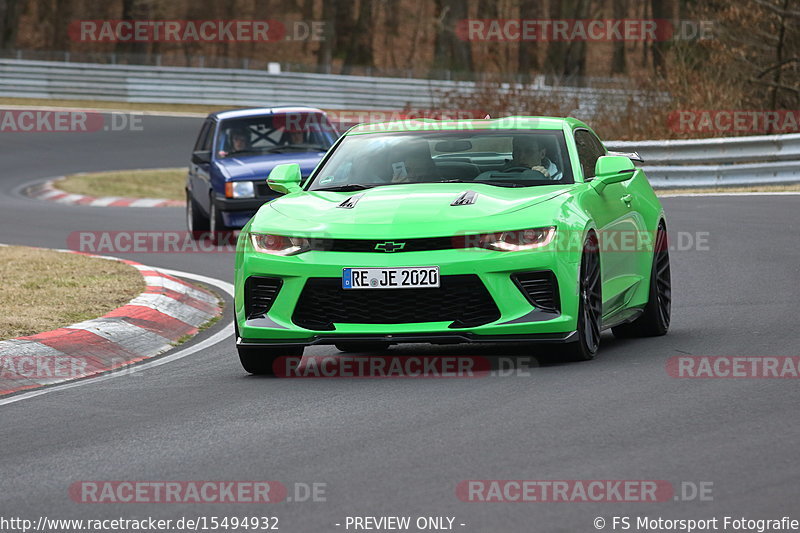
(261, 111)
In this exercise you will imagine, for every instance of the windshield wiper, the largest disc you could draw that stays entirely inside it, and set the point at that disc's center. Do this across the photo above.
(346, 188)
(298, 147)
(501, 183)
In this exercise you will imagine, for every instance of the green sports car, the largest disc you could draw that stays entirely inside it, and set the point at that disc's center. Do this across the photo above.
(424, 231)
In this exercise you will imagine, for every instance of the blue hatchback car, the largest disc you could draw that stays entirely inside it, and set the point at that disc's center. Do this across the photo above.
(235, 152)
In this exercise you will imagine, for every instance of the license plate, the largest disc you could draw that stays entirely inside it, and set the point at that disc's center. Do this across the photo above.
(391, 278)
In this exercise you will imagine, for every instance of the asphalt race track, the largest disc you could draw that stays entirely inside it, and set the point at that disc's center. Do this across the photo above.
(400, 446)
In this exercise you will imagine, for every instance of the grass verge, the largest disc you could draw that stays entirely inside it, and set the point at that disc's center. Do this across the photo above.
(165, 183)
(121, 106)
(41, 290)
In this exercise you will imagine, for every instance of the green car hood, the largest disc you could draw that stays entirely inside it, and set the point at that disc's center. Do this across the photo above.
(408, 211)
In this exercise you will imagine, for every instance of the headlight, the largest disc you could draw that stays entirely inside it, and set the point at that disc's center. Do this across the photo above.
(240, 189)
(279, 245)
(514, 241)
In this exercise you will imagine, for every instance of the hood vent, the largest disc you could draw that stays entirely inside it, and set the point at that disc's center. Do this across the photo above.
(466, 198)
(351, 202)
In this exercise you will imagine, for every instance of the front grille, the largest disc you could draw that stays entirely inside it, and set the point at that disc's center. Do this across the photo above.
(541, 289)
(259, 294)
(363, 245)
(462, 300)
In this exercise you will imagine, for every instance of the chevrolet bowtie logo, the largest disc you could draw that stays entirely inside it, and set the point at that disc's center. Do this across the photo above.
(390, 246)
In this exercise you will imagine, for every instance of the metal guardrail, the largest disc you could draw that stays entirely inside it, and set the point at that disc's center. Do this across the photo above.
(763, 159)
(672, 163)
(238, 87)
(184, 58)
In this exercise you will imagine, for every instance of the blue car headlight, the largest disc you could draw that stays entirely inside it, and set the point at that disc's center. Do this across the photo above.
(240, 189)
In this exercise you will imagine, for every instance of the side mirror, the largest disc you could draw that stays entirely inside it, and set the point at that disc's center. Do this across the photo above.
(201, 156)
(612, 169)
(285, 178)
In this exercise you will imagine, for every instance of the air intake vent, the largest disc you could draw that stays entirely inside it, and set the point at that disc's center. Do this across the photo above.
(462, 300)
(351, 202)
(540, 288)
(466, 198)
(259, 294)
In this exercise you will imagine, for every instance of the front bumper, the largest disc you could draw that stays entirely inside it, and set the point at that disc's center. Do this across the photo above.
(236, 212)
(433, 338)
(519, 320)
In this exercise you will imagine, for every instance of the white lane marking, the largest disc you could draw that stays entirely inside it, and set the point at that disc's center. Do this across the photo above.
(696, 194)
(221, 335)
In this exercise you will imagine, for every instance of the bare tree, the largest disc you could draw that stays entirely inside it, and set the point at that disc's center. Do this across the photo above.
(325, 50)
(527, 57)
(134, 10)
(450, 51)
(568, 59)
(662, 10)
(618, 66)
(359, 47)
(783, 58)
(10, 11)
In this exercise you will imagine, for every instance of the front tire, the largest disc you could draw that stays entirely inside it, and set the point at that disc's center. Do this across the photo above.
(218, 234)
(260, 361)
(196, 223)
(655, 319)
(590, 305)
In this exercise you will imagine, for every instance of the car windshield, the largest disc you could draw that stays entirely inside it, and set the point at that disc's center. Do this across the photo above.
(275, 133)
(503, 158)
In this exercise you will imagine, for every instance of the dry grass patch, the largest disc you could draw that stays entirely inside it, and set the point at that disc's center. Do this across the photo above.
(121, 106)
(165, 183)
(41, 290)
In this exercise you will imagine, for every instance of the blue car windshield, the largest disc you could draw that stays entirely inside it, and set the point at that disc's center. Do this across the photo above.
(505, 158)
(275, 133)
